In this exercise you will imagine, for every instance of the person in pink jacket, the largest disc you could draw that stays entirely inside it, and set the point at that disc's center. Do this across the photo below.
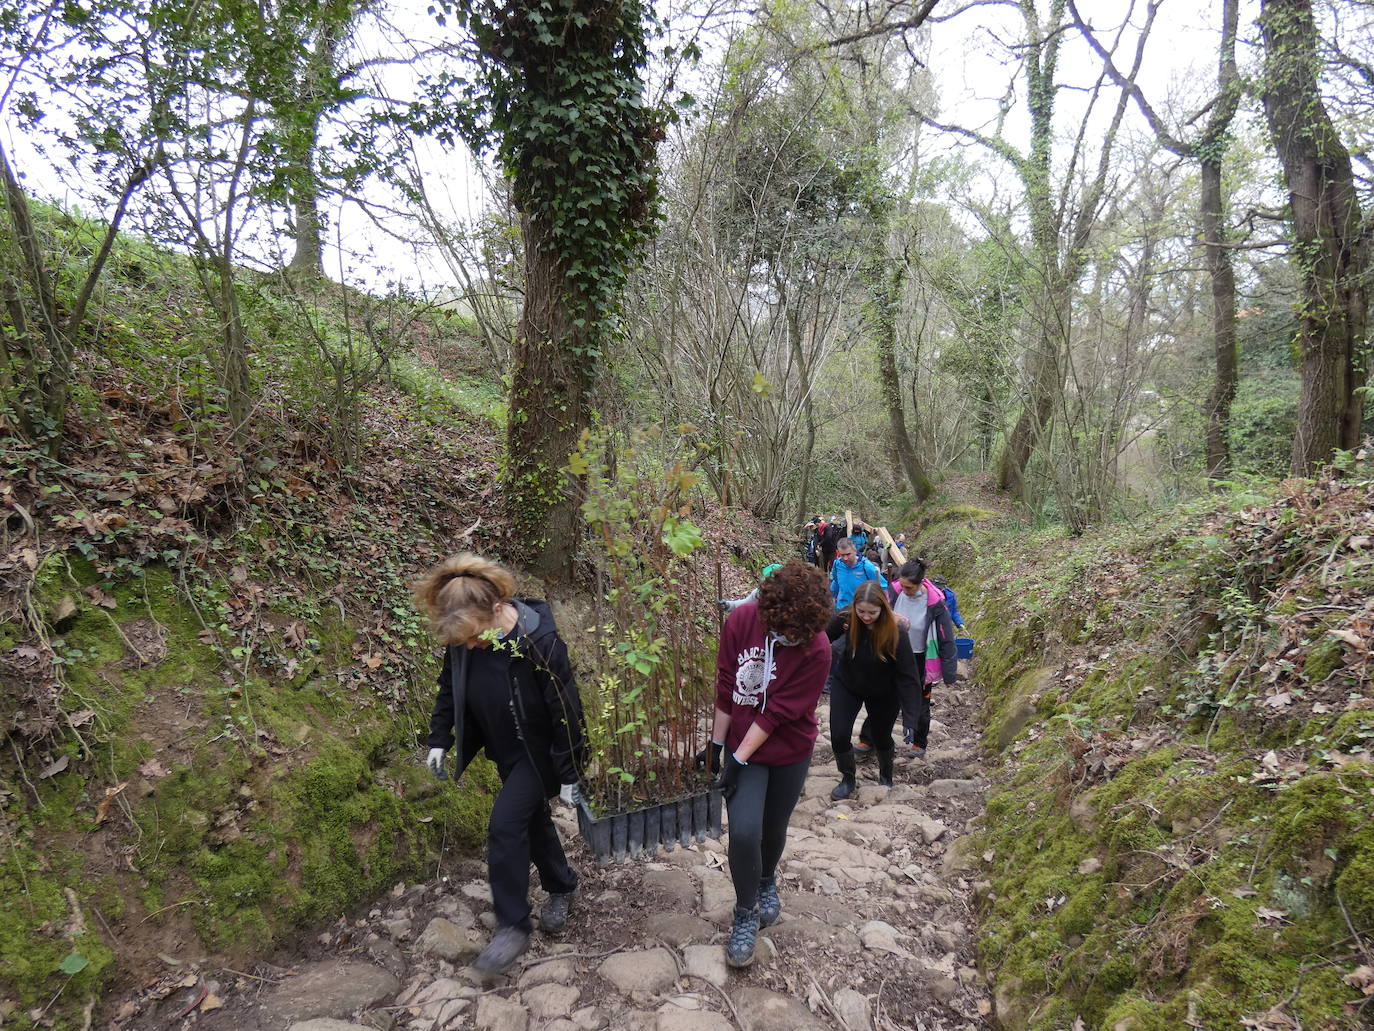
(771, 665)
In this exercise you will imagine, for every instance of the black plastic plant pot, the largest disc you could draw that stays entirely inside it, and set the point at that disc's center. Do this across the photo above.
(640, 833)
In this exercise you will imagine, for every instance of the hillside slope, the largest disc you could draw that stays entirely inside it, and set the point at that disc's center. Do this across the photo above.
(1181, 833)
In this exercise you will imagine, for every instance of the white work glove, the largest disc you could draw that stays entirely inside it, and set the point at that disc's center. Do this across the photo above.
(570, 795)
(435, 762)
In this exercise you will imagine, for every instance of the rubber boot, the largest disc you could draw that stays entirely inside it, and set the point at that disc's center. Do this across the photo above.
(848, 770)
(885, 766)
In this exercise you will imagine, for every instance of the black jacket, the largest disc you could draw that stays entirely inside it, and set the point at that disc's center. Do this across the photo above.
(866, 675)
(543, 698)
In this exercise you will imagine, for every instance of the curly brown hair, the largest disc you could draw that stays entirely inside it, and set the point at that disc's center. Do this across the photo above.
(795, 603)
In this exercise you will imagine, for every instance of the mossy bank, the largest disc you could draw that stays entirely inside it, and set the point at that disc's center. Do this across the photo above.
(1180, 832)
(200, 798)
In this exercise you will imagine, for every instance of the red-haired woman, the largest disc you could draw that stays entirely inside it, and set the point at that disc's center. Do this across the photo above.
(770, 668)
(872, 667)
(507, 689)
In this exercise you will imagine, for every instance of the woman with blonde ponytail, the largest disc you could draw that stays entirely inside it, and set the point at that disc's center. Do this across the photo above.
(507, 689)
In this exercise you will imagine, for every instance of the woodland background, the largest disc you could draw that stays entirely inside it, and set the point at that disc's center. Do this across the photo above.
(299, 296)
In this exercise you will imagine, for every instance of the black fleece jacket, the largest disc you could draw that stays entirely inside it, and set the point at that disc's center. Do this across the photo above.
(531, 675)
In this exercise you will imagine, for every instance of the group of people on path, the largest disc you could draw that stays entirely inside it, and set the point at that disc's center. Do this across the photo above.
(507, 688)
(824, 536)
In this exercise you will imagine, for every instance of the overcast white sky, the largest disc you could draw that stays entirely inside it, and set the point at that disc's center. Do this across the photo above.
(970, 63)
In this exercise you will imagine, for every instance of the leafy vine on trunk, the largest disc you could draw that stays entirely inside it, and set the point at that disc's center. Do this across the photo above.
(557, 91)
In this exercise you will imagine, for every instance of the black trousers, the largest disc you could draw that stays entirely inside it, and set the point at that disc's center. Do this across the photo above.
(759, 810)
(521, 830)
(877, 728)
(915, 720)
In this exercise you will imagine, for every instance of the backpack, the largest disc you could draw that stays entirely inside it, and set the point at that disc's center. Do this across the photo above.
(830, 536)
(951, 601)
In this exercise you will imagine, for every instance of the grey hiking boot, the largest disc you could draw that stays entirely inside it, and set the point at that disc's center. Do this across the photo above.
(553, 917)
(770, 905)
(744, 932)
(506, 946)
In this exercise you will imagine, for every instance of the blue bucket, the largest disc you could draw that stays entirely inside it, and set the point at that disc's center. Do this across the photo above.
(964, 646)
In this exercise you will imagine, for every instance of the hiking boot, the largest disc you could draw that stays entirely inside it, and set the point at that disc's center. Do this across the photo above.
(915, 751)
(744, 932)
(506, 946)
(885, 767)
(553, 917)
(848, 770)
(863, 749)
(770, 905)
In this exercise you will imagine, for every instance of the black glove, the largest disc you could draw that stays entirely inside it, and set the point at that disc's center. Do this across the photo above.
(710, 754)
(729, 777)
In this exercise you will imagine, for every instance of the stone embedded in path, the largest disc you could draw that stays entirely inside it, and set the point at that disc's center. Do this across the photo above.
(678, 929)
(706, 961)
(674, 1018)
(931, 830)
(328, 1024)
(553, 971)
(497, 1014)
(954, 788)
(589, 1018)
(335, 988)
(762, 1010)
(805, 934)
(882, 937)
(679, 886)
(686, 858)
(649, 970)
(839, 854)
(445, 939)
(818, 908)
(853, 1010)
(716, 888)
(547, 1001)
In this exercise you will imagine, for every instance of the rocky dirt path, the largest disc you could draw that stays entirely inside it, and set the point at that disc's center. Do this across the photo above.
(876, 933)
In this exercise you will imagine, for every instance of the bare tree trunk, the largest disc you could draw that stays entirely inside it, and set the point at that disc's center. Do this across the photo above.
(549, 408)
(1209, 148)
(1329, 250)
(885, 286)
(1223, 279)
(318, 82)
(308, 260)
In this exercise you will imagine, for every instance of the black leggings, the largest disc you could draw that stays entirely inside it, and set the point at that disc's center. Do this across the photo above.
(759, 810)
(521, 830)
(877, 728)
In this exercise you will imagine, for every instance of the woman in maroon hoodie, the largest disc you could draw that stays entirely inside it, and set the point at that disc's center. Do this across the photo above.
(772, 663)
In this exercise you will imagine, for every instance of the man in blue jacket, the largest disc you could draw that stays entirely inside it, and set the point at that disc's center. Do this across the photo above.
(849, 571)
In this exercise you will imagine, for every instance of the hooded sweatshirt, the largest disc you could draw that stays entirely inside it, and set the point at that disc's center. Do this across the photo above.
(931, 631)
(760, 680)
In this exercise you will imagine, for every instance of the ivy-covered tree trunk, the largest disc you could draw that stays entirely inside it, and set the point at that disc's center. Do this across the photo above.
(551, 383)
(559, 89)
(1329, 248)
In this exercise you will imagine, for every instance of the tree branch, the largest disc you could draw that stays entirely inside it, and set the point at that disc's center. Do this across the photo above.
(914, 22)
